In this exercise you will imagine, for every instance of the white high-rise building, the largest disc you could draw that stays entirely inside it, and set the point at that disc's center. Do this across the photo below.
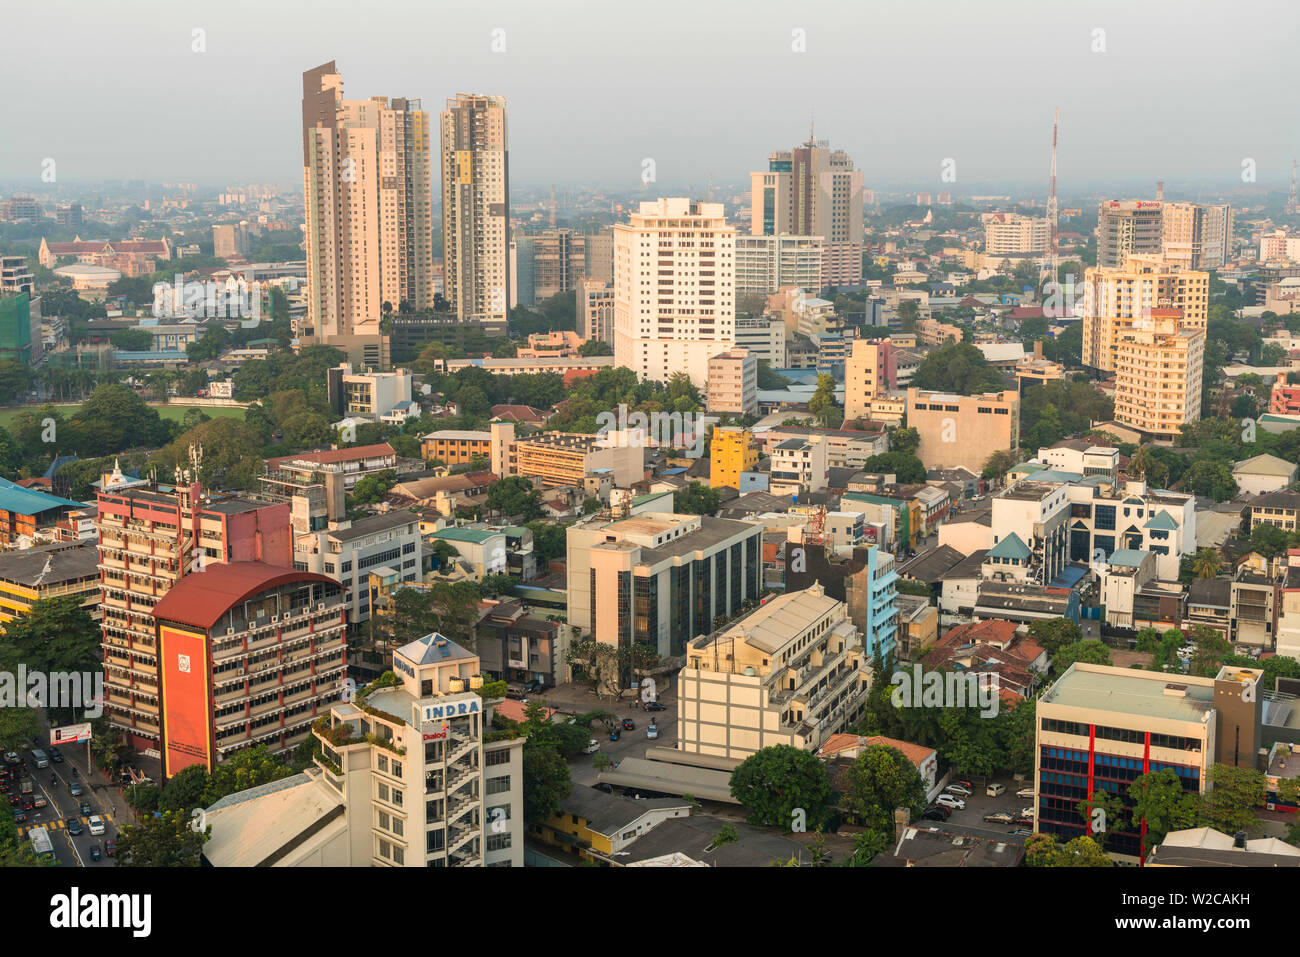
(674, 289)
(476, 207)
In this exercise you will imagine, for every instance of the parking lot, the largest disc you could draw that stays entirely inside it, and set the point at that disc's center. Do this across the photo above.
(978, 804)
(578, 699)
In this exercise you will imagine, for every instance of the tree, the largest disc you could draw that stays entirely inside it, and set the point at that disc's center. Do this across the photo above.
(1158, 798)
(373, 488)
(1209, 648)
(1054, 633)
(880, 780)
(548, 540)
(132, 340)
(18, 726)
(904, 440)
(1231, 804)
(958, 367)
(999, 463)
(515, 497)
(1042, 850)
(169, 840)
(822, 404)
(1092, 652)
(774, 783)
(697, 499)
(546, 782)
(231, 453)
(1206, 563)
(907, 468)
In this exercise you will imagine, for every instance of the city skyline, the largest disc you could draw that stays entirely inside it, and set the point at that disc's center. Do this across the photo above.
(739, 90)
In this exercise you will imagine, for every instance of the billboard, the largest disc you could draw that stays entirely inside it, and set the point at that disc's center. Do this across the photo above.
(70, 734)
(186, 708)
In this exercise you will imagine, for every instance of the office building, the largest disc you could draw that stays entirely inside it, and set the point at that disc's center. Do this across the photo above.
(658, 578)
(766, 263)
(764, 337)
(674, 295)
(963, 430)
(347, 551)
(733, 382)
(369, 238)
(149, 540)
(1158, 375)
(71, 216)
(812, 190)
(1098, 728)
(566, 458)
(792, 672)
(1126, 228)
(367, 394)
(230, 241)
(1116, 299)
(559, 262)
(870, 372)
(251, 654)
(595, 310)
(476, 207)
(799, 465)
(1196, 236)
(353, 463)
(1009, 235)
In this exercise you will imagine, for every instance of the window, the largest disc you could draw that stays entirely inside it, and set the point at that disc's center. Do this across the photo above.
(492, 758)
(498, 784)
(498, 842)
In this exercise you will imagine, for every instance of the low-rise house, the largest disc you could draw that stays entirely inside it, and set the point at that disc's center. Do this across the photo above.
(991, 647)
(1262, 474)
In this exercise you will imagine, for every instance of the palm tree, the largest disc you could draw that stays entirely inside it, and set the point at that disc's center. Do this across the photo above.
(1207, 563)
(1141, 461)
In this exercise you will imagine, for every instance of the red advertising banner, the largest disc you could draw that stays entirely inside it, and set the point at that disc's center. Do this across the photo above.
(187, 709)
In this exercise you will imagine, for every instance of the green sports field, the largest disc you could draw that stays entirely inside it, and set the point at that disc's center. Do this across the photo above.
(176, 412)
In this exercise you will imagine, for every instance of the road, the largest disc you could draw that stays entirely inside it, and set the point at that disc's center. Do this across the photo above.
(54, 783)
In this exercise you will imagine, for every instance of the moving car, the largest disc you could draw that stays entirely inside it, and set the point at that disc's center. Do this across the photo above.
(998, 817)
(629, 724)
(592, 747)
(20, 816)
(655, 706)
(39, 758)
(947, 800)
(95, 853)
(86, 809)
(38, 800)
(96, 824)
(74, 826)
(75, 789)
(615, 734)
(958, 789)
(11, 757)
(652, 732)
(56, 755)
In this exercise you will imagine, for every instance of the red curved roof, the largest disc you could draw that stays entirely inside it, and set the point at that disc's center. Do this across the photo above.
(201, 598)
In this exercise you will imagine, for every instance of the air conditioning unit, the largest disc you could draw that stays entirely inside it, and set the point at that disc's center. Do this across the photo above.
(274, 619)
(230, 630)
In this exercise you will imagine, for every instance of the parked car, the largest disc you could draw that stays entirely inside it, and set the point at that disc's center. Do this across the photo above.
(958, 789)
(1028, 812)
(655, 706)
(533, 687)
(1022, 832)
(1025, 793)
(592, 747)
(95, 852)
(1025, 822)
(947, 800)
(999, 817)
(110, 846)
(74, 825)
(12, 758)
(56, 755)
(964, 783)
(604, 786)
(995, 790)
(933, 814)
(944, 812)
(75, 789)
(652, 732)
(629, 724)
(96, 824)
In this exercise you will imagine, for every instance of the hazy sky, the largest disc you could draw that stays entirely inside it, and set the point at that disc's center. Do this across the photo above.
(1184, 90)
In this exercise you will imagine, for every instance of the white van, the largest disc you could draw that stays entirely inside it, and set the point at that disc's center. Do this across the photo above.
(995, 790)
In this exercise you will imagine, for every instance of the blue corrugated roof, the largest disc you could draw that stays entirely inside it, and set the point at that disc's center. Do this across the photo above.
(1128, 557)
(26, 501)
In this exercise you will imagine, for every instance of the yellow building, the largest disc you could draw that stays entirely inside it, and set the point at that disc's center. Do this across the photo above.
(1116, 299)
(596, 826)
(34, 574)
(1158, 375)
(731, 452)
(456, 446)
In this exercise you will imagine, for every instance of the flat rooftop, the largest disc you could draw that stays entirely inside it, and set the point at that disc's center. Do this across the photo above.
(1124, 691)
